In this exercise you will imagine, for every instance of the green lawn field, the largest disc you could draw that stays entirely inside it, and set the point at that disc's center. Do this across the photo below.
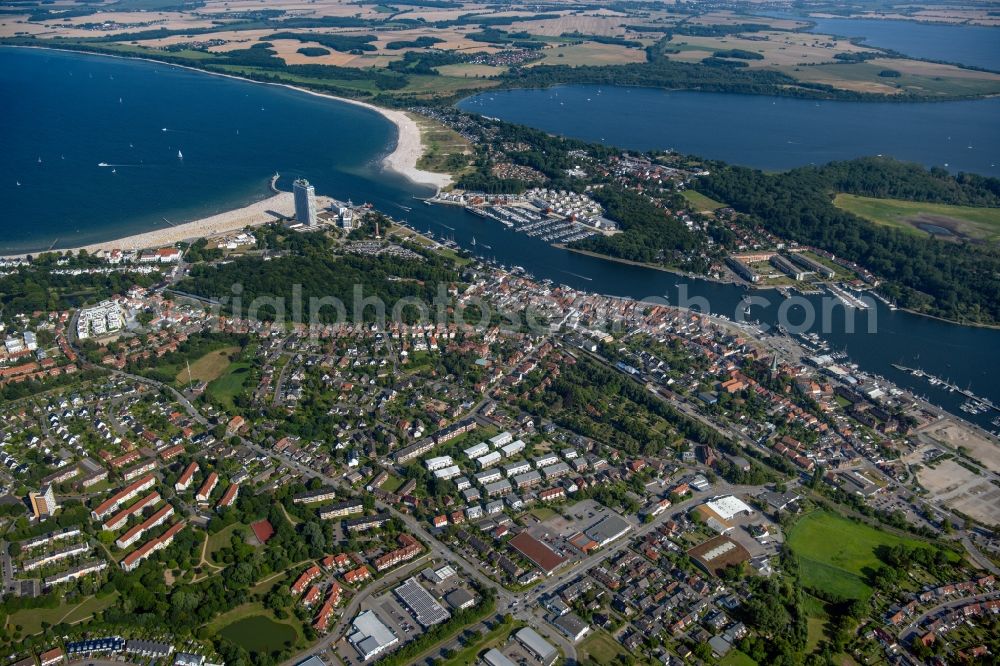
(221, 539)
(835, 554)
(600, 648)
(207, 368)
(701, 202)
(229, 385)
(816, 618)
(31, 619)
(981, 224)
(737, 658)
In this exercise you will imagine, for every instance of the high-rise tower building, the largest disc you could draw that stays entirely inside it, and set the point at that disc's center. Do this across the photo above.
(43, 502)
(305, 202)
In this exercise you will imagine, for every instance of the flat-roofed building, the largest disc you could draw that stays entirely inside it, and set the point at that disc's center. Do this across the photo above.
(541, 555)
(571, 625)
(718, 553)
(460, 599)
(420, 602)
(536, 645)
(494, 657)
(369, 635)
(43, 502)
(607, 529)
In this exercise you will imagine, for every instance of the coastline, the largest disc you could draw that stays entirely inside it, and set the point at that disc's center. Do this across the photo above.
(271, 209)
(402, 160)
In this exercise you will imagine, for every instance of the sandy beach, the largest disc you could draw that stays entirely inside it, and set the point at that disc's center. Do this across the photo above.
(409, 145)
(272, 209)
(402, 160)
(269, 210)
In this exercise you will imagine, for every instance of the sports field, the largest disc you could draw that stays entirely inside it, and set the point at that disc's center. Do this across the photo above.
(836, 554)
(949, 222)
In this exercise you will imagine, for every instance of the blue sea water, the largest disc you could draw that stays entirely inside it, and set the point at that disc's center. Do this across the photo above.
(65, 113)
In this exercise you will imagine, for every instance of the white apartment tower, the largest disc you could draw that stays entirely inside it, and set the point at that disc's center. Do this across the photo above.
(305, 202)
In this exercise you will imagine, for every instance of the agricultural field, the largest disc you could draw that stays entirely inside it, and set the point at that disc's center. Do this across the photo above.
(914, 77)
(368, 38)
(471, 71)
(836, 554)
(777, 48)
(943, 221)
(589, 53)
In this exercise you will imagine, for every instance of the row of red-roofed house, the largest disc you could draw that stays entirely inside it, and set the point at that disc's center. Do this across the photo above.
(134, 534)
(957, 617)
(111, 504)
(323, 616)
(119, 519)
(305, 578)
(898, 614)
(410, 548)
(136, 557)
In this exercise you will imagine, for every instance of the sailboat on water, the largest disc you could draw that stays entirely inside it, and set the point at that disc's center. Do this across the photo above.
(180, 155)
